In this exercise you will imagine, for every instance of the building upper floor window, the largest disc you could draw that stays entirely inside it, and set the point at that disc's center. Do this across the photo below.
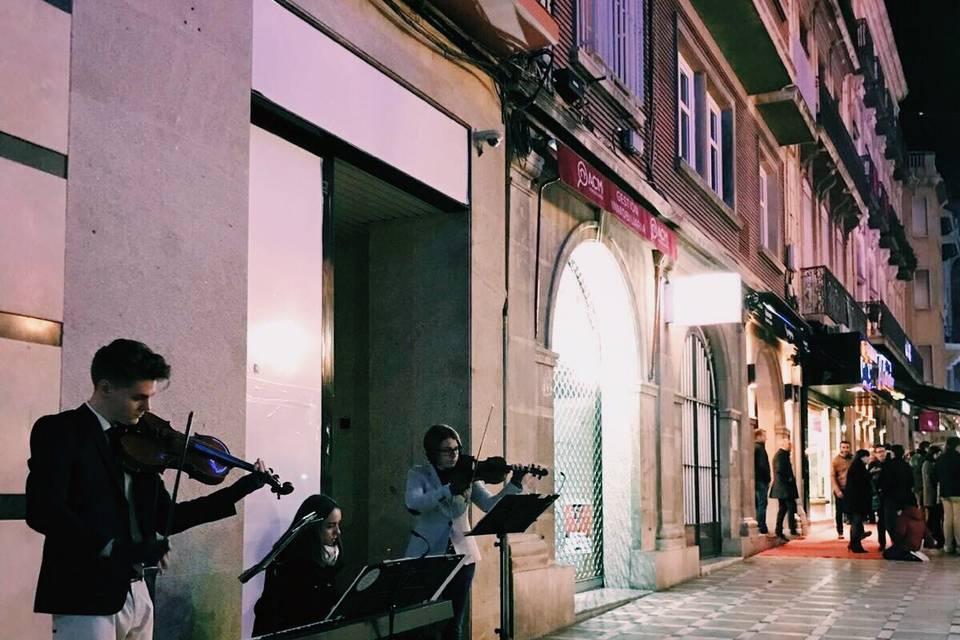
(612, 31)
(926, 352)
(919, 218)
(769, 190)
(686, 121)
(921, 289)
(704, 129)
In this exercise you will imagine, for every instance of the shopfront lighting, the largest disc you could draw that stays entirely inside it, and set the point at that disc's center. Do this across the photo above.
(704, 299)
(856, 389)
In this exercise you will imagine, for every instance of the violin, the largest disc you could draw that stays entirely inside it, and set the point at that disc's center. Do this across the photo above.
(492, 470)
(153, 445)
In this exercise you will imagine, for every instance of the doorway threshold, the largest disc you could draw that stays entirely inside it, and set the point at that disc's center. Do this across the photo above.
(588, 604)
(710, 565)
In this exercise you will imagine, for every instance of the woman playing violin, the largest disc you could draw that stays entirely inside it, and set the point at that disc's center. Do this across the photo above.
(299, 585)
(103, 523)
(438, 495)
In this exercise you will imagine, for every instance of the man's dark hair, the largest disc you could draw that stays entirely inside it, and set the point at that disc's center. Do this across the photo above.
(844, 442)
(124, 362)
(924, 445)
(934, 450)
(952, 443)
(897, 451)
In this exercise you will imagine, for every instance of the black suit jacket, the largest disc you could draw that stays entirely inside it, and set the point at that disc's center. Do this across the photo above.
(75, 499)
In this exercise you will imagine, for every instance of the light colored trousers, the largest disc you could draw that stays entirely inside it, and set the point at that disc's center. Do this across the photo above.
(133, 622)
(951, 523)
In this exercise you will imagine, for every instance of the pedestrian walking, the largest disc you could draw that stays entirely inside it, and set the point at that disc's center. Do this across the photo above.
(784, 489)
(948, 475)
(875, 468)
(896, 489)
(931, 496)
(838, 480)
(761, 477)
(858, 498)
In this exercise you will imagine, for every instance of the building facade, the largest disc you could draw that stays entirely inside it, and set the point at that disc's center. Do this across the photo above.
(613, 239)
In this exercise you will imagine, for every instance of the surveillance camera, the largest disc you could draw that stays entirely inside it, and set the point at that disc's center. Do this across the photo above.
(492, 138)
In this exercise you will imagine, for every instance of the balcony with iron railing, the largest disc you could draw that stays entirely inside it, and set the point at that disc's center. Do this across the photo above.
(824, 299)
(833, 125)
(884, 330)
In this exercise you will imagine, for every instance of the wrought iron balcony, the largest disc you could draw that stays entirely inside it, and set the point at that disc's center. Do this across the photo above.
(832, 123)
(824, 297)
(885, 329)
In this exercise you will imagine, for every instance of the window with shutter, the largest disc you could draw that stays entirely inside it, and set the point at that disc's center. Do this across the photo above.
(612, 30)
(921, 289)
(714, 147)
(919, 218)
(686, 134)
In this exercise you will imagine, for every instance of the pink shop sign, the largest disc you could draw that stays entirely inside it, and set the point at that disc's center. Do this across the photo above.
(600, 190)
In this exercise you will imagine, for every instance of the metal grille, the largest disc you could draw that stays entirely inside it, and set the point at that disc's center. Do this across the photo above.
(701, 471)
(577, 433)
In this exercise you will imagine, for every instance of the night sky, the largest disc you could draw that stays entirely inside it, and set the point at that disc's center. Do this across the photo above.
(928, 38)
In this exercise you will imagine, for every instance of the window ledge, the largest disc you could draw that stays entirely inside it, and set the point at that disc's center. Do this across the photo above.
(697, 181)
(772, 259)
(596, 68)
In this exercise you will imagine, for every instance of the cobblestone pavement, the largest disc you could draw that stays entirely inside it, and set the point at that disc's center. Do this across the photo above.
(785, 598)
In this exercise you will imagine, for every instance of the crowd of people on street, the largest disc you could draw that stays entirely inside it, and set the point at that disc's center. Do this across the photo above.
(912, 497)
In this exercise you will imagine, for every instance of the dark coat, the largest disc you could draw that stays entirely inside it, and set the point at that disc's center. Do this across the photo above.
(761, 464)
(75, 498)
(948, 473)
(896, 484)
(858, 494)
(784, 482)
(298, 589)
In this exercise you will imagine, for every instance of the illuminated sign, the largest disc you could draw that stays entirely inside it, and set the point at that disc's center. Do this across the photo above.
(876, 370)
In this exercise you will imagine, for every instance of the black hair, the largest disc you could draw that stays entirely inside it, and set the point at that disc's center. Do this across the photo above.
(934, 450)
(844, 442)
(435, 435)
(924, 445)
(124, 362)
(897, 450)
(861, 453)
(952, 443)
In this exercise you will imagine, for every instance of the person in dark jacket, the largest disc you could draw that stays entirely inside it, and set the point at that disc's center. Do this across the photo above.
(761, 477)
(784, 489)
(105, 525)
(880, 458)
(299, 586)
(896, 487)
(948, 475)
(858, 498)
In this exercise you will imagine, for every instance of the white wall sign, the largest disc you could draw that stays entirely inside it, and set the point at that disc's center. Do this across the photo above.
(703, 299)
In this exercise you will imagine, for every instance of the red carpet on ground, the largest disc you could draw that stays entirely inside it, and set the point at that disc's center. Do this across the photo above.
(822, 543)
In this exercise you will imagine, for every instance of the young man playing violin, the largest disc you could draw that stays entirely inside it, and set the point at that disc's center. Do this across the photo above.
(103, 524)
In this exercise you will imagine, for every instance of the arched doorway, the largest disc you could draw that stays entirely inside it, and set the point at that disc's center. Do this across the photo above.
(595, 414)
(701, 454)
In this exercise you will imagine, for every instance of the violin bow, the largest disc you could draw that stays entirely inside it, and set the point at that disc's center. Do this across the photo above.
(176, 482)
(483, 437)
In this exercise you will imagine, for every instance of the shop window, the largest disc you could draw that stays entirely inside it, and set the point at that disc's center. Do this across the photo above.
(612, 32)
(919, 218)
(921, 289)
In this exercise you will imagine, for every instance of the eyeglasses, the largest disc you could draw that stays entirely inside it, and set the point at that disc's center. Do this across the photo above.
(448, 450)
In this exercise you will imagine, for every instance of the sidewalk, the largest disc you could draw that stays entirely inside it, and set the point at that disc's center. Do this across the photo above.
(783, 598)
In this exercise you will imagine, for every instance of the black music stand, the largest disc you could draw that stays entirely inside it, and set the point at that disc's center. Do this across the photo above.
(395, 584)
(512, 514)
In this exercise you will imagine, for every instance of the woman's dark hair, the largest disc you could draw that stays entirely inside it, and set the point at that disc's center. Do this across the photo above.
(934, 450)
(124, 362)
(435, 435)
(861, 453)
(952, 443)
(897, 451)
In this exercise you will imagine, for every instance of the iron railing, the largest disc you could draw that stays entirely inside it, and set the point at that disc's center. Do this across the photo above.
(823, 295)
(831, 121)
(883, 324)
